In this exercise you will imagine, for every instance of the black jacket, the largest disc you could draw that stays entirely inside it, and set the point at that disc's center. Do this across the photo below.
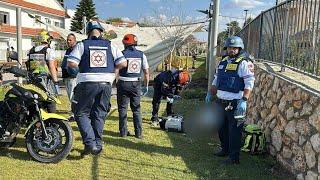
(168, 82)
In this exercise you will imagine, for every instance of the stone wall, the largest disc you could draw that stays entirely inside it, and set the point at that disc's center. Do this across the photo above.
(289, 114)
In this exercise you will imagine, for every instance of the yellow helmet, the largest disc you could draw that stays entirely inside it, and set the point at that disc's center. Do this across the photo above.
(45, 36)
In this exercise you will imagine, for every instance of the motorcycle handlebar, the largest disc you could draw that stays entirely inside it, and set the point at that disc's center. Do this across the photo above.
(17, 71)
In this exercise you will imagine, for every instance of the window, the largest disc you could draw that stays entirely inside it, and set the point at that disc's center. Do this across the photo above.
(4, 17)
(57, 24)
(48, 21)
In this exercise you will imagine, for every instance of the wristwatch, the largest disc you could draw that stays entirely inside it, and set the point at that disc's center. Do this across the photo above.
(244, 98)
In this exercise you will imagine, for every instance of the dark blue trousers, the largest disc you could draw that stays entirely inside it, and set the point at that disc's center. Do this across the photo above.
(230, 134)
(90, 106)
(129, 91)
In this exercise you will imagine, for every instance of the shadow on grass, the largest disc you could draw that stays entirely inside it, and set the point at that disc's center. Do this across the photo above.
(146, 164)
(15, 152)
(141, 146)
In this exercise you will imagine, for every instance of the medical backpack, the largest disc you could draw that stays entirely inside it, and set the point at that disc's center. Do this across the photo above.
(254, 139)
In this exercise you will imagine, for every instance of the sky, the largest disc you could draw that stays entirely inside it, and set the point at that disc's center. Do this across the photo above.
(138, 10)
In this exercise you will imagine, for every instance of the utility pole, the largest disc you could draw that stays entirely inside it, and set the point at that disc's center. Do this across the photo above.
(209, 15)
(213, 42)
(245, 17)
(19, 40)
(210, 12)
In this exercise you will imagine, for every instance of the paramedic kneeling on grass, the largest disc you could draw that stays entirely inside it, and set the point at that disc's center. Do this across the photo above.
(232, 85)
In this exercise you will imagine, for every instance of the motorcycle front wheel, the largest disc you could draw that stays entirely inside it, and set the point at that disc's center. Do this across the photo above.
(56, 147)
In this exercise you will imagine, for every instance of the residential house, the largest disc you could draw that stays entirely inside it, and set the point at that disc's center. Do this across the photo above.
(50, 11)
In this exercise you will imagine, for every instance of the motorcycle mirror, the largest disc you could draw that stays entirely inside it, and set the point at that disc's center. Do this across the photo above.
(14, 56)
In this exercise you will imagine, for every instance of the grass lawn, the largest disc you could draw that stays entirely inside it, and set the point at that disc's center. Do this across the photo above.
(160, 155)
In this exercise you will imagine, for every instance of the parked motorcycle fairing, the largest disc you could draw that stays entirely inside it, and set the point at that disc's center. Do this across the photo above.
(49, 136)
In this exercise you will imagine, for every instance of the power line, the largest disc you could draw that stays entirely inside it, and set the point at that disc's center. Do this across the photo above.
(183, 24)
(231, 17)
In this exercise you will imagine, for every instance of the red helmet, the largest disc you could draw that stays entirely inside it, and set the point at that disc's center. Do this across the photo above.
(184, 78)
(130, 39)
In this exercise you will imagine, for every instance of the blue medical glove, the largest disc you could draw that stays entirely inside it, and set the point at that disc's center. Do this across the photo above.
(170, 100)
(144, 91)
(240, 112)
(57, 88)
(209, 97)
(176, 97)
(73, 71)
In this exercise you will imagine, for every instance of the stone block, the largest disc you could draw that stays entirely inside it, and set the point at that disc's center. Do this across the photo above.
(290, 130)
(314, 100)
(264, 113)
(300, 177)
(303, 127)
(272, 151)
(281, 122)
(297, 104)
(268, 103)
(302, 140)
(315, 141)
(311, 176)
(286, 152)
(299, 161)
(276, 138)
(307, 109)
(310, 155)
(297, 94)
(273, 123)
(304, 96)
(290, 113)
(314, 119)
(282, 105)
(286, 140)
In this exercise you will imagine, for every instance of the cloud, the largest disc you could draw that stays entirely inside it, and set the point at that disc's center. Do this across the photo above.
(127, 19)
(246, 3)
(162, 17)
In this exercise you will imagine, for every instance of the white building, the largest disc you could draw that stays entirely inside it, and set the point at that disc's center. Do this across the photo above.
(49, 11)
(71, 13)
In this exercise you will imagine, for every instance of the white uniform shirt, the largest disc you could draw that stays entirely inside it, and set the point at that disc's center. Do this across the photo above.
(50, 56)
(145, 64)
(75, 56)
(245, 71)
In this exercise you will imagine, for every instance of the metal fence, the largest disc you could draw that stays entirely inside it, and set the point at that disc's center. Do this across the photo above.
(288, 34)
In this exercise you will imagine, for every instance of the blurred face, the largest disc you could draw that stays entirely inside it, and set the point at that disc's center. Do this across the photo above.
(233, 51)
(71, 41)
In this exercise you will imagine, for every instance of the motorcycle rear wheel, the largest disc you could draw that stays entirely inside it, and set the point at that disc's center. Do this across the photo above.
(53, 149)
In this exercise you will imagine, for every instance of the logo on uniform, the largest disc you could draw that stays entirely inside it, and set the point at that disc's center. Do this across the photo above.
(232, 41)
(134, 65)
(98, 58)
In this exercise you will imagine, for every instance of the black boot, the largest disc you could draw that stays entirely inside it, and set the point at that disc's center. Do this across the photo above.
(230, 162)
(221, 154)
